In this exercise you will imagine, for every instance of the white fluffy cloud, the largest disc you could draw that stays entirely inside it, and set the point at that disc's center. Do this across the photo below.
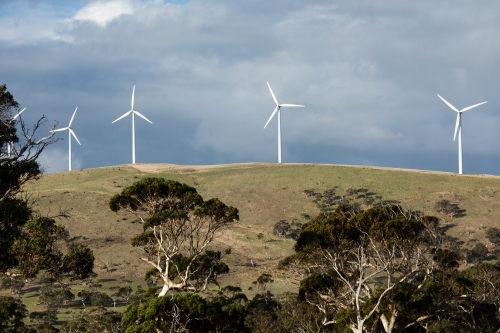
(103, 12)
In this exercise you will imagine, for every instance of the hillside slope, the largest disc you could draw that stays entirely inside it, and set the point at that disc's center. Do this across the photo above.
(264, 194)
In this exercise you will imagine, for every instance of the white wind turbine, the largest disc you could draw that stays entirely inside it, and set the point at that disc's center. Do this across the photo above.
(278, 109)
(9, 145)
(70, 133)
(458, 128)
(133, 112)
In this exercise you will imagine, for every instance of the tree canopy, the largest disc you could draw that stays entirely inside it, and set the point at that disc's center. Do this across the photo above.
(178, 227)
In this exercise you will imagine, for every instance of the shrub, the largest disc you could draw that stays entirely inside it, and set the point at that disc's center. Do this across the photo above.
(100, 299)
(287, 229)
(448, 208)
(493, 235)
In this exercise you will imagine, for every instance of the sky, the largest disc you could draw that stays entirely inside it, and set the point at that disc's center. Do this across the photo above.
(368, 73)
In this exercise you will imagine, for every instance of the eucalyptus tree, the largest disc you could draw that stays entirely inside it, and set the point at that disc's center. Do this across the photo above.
(178, 227)
(355, 258)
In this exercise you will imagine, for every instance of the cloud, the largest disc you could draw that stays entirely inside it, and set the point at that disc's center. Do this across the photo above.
(55, 159)
(368, 73)
(103, 12)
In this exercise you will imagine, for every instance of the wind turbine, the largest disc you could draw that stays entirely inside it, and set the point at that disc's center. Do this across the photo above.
(278, 110)
(9, 145)
(70, 133)
(133, 112)
(458, 128)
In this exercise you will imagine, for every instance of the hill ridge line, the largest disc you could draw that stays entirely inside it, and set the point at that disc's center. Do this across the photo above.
(158, 167)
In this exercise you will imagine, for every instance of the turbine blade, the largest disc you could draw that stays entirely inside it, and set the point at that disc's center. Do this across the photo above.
(72, 117)
(457, 126)
(293, 105)
(447, 103)
(74, 135)
(17, 115)
(123, 116)
(60, 129)
(274, 97)
(472, 106)
(272, 115)
(140, 115)
(133, 93)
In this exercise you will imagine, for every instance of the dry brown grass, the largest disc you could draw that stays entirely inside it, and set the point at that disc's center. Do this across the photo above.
(264, 194)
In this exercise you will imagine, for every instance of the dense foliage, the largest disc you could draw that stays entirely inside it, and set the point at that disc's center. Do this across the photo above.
(386, 269)
(186, 312)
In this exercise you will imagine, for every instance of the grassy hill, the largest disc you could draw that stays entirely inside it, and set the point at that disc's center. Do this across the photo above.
(264, 194)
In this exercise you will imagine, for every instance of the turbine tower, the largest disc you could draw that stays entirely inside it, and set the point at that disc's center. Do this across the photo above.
(133, 112)
(278, 110)
(70, 133)
(9, 145)
(458, 128)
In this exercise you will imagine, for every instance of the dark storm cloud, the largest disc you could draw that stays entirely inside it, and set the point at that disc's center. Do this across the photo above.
(368, 73)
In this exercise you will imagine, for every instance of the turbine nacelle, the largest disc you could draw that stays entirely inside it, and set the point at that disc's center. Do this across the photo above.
(132, 110)
(69, 128)
(278, 105)
(459, 114)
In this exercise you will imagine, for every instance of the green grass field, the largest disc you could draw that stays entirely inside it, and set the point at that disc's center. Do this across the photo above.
(264, 194)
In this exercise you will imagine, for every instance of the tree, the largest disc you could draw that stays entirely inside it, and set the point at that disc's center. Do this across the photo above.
(12, 313)
(297, 316)
(185, 312)
(357, 258)
(262, 313)
(178, 227)
(28, 242)
(459, 301)
(95, 320)
(483, 292)
(55, 295)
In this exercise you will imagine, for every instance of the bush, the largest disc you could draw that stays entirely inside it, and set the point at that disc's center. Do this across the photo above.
(493, 235)
(43, 317)
(94, 320)
(100, 299)
(54, 296)
(448, 208)
(477, 254)
(95, 298)
(280, 229)
(287, 229)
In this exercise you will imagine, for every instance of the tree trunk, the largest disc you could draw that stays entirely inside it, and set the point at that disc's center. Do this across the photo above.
(168, 284)
(164, 290)
(359, 327)
(389, 324)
